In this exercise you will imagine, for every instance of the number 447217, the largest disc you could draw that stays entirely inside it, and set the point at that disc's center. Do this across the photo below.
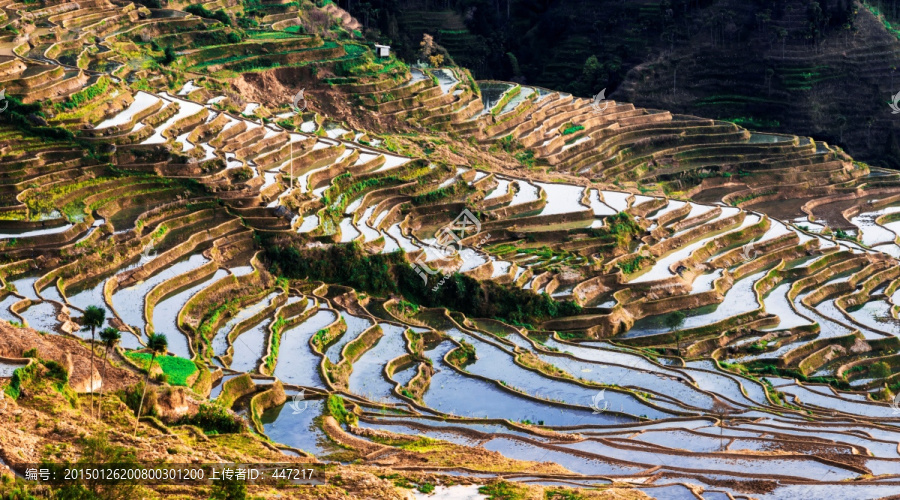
(293, 474)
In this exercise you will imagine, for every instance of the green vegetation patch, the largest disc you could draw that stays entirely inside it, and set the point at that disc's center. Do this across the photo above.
(571, 128)
(386, 274)
(213, 419)
(55, 374)
(336, 408)
(176, 369)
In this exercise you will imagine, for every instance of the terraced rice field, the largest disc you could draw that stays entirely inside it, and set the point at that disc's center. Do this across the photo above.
(706, 344)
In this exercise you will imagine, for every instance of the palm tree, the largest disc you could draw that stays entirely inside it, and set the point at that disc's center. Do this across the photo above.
(158, 344)
(94, 317)
(110, 337)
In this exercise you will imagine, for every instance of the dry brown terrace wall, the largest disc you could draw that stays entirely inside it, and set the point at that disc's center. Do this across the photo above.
(58, 91)
(868, 266)
(427, 91)
(713, 247)
(284, 153)
(317, 158)
(262, 146)
(682, 239)
(286, 59)
(269, 398)
(372, 93)
(716, 347)
(540, 118)
(327, 174)
(852, 194)
(803, 353)
(785, 254)
(595, 326)
(870, 206)
(763, 249)
(251, 49)
(26, 225)
(664, 231)
(127, 138)
(182, 249)
(530, 206)
(236, 388)
(24, 84)
(55, 240)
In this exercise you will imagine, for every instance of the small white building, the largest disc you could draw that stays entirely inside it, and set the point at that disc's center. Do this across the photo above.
(383, 50)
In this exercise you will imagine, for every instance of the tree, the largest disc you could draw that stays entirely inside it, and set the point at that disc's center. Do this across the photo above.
(110, 337)
(94, 317)
(782, 35)
(158, 344)
(841, 123)
(674, 322)
(721, 410)
(432, 52)
(168, 56)
(229, 489)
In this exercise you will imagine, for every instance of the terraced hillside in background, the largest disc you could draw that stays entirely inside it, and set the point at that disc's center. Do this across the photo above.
(835, 85)
(650, 304)
(824, 69)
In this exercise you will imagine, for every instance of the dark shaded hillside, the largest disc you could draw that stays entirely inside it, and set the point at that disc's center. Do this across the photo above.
(543, 42)
(821, 67)
(835, 86)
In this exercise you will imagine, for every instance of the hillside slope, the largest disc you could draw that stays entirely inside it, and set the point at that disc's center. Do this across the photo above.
(821, 68)
(836, 90)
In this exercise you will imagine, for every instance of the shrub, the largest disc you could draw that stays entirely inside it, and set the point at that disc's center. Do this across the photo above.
(213, 418)
(199, 10)
(81, 97)
(501, 490)
(571, 128)
(132, 399)
(52, 372)
(463, 354)
(632, 265)
(335, 406)
(229, 489)
(168, 56)
(880, 370)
